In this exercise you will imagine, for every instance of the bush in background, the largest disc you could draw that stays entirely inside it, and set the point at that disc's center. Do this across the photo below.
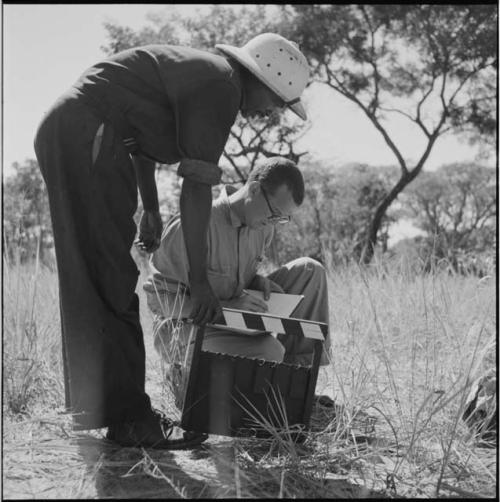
(332, 222)
(456, 208)
(26, 217)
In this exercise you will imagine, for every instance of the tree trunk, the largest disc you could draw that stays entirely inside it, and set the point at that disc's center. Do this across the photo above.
(319, 231)
(371, 241)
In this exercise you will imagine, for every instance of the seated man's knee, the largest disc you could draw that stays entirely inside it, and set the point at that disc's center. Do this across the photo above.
(312, 266)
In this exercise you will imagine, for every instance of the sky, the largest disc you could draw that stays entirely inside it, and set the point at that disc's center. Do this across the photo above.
(47, 47)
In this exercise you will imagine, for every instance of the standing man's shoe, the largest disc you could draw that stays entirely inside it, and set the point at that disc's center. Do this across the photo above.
(324, 401)
(154, 431)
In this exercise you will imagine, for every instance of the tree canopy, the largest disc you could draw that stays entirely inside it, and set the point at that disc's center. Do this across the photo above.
(332, 222)
(26, 217)
(432, 64)
(456, 207)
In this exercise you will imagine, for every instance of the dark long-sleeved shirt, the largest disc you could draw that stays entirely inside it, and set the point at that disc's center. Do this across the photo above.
(169, 103)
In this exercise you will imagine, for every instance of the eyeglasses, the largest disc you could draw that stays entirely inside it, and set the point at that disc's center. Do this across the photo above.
(275, 217)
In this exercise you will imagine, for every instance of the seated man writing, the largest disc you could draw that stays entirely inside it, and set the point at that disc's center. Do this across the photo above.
(241, 228)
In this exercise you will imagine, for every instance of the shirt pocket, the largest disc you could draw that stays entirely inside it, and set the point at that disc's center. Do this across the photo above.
(223, 284)
(251, 268)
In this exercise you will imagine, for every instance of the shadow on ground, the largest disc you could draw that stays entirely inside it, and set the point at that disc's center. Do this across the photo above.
(219, 468)
(137, 473)
(209, 471)
(44, 459)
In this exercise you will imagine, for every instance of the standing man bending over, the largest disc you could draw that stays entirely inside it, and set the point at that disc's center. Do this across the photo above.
(97, 145)
(240, 230)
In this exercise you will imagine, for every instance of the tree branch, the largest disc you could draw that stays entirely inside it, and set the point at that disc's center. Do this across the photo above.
(486, 214)
(418, 117)
(425, 155)
(373, 119)
(396, 110)
(372, 62)
(464, 81)
(235, 167)
(458, 217)
(385, 135)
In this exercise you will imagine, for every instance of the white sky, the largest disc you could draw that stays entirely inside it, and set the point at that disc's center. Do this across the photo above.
(47, 47)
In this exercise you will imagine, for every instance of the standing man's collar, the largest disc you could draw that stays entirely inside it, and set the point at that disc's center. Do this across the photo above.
(237, 72)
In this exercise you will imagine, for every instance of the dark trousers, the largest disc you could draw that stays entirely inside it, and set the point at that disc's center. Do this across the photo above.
(92, 206)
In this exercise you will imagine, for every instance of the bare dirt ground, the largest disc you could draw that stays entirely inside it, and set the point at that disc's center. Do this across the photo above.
(44, 459)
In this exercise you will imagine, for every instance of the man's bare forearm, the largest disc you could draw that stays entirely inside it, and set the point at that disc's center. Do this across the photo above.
(145, 174)
(196, 205)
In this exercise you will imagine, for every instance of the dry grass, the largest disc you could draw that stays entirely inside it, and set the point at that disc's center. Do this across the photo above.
(32, 350)
(406, 348)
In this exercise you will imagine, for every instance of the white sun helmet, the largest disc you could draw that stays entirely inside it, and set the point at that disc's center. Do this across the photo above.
(276, 62)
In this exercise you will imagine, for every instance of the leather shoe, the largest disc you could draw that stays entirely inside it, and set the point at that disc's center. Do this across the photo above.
(154, 431)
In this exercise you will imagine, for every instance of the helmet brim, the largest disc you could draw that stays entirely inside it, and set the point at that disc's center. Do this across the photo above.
(243, 58)
(298, 109)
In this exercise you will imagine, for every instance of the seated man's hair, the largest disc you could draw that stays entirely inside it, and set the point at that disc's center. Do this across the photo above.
(277, 171)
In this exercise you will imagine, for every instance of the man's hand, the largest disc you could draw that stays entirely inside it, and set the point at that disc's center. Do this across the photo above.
(206, 306)
(261, 283)
(150, 228)
(246, 301)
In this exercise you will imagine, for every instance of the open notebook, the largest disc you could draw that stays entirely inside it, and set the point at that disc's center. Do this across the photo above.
(278, 304)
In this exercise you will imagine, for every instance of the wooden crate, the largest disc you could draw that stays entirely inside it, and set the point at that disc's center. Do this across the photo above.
(228, 395)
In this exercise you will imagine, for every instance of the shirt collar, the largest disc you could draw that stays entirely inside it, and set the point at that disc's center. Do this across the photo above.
(237, 74)
(223, 205)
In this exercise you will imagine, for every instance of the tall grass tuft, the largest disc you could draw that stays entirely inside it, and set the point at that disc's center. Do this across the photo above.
(32, 366)
(407, 347)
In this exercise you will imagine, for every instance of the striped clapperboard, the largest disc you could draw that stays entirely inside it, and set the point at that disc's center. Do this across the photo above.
(245, 320)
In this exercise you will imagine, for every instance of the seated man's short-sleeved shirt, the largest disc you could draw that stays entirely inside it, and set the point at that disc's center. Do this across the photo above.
(169, 103)
(234, 254)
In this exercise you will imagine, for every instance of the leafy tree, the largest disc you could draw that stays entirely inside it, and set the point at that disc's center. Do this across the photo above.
(432, 64)
(26, 217)
(456, 207)
(250, 140)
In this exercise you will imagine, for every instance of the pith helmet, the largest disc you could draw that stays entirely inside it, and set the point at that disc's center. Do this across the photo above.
(278, 63)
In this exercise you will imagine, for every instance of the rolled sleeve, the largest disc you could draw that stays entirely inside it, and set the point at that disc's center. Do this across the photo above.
(200, 171)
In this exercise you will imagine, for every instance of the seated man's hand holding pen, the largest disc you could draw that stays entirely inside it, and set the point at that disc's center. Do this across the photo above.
(246, 301)
(261, 283)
